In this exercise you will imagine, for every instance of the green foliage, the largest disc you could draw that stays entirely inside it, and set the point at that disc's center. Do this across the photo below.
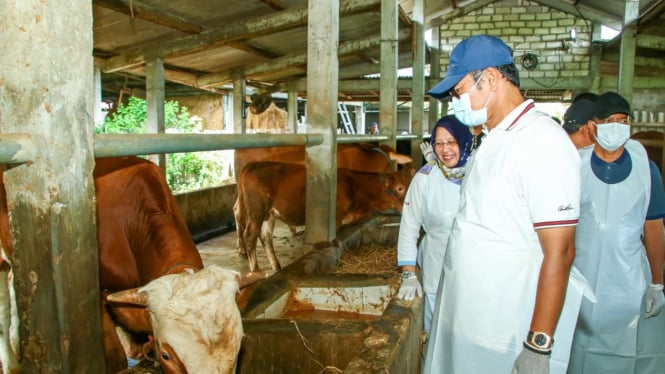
(184, 171)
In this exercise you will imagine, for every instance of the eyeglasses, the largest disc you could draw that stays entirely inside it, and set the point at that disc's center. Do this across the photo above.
(624, 120)
(457, 90)
(450, 143)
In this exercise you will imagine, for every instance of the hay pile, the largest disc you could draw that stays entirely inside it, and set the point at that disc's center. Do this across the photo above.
(368, 259)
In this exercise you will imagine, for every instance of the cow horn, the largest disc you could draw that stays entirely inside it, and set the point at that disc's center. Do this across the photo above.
(131, 296)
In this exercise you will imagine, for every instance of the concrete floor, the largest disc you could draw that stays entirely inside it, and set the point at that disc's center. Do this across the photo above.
(222, 250)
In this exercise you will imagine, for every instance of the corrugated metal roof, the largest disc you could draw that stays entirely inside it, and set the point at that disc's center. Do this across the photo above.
(203, 42)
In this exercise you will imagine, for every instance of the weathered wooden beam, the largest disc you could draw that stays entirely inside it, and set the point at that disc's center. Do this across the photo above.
(651, 41)
(236, 31)
(649, 62)
(150, 13)
(458, 11)
(610, 83)
(588, 13)
(572, 83)
(254, 50)
(275, 4)
(354, 46)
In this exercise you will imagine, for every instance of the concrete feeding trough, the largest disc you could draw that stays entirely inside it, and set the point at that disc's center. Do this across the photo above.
(321, 302)
(348, 323)
(304, 319)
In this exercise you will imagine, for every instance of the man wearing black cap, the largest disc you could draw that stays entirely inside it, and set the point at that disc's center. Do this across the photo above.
(622, 199)
(578, 120)
(500, 305)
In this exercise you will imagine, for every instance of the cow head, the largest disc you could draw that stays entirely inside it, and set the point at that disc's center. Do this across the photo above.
(196, 323)
(395, 187)
(260, 102)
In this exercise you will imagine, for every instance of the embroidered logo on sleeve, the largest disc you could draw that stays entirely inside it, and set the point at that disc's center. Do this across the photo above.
(563, 208)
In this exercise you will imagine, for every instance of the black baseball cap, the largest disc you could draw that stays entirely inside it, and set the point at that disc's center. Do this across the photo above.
(578, 114)
(610, 103)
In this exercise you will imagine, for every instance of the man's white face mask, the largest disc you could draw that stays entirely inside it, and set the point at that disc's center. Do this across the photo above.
(463, 111)
(611, 136)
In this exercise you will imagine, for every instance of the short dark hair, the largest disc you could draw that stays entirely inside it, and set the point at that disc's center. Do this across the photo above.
(572, 128)
(509, 71)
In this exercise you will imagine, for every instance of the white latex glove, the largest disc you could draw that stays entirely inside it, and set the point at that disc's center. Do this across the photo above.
(654, 300)
(529, 362)
(409, 289)
(428, 152)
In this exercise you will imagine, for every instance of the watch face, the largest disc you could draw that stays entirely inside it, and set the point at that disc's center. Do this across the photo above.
(540, 340)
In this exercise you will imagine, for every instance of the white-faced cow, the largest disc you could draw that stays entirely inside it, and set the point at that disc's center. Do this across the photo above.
(142, 237)
(195, 320)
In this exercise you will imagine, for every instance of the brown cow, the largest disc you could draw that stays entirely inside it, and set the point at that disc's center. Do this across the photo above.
(269, 190)
(357, 156)
(363, 157)
(142, 237)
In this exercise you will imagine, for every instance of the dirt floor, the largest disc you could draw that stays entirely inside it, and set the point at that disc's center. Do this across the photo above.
(222, 250)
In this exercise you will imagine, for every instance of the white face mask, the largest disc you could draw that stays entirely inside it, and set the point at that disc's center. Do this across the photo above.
(466, 115)
(611, 136)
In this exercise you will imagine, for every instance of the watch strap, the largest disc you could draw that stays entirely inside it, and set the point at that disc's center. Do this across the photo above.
(408, 274)
(545, 352)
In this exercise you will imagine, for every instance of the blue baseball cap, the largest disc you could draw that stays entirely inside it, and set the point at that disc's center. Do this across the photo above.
(473, 53)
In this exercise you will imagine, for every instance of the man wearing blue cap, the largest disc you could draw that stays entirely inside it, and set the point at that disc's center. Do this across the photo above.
(500, 303)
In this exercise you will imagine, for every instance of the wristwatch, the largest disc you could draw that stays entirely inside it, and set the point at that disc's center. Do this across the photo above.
(539, 340)
(408, 274)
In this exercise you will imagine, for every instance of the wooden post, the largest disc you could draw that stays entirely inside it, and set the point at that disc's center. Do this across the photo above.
(292, 111)
(322, 87)
(239, 87)
(418, 82)
(435, 76)
(627, 51)
(47, 92)
(389, 51)
(155, 97)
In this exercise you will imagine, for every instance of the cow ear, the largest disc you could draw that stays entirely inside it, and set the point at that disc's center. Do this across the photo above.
(131, 296)
(399, 158)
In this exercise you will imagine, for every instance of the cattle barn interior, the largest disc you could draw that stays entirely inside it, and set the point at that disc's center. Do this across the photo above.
(60, 63)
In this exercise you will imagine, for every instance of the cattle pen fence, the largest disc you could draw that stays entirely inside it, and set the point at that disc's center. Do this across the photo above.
(208, 211)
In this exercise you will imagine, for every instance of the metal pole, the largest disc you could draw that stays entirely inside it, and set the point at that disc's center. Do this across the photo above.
(140, 144)
(16, 148)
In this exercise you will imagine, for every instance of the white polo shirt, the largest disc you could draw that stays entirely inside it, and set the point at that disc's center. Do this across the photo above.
(524, 177)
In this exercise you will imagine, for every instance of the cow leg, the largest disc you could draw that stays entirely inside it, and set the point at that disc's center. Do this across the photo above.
(114, 353)
(267, 229)
(7, 355)
(251, 234)
(240, 227)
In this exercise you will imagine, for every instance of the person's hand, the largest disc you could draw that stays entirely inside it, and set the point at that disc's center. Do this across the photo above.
(654, 300)
(428, 152)
(529, 362)
(410, 288)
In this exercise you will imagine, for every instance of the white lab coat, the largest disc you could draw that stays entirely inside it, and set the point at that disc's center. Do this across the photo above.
(612, 335)
(431, 202)
(525, 176)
